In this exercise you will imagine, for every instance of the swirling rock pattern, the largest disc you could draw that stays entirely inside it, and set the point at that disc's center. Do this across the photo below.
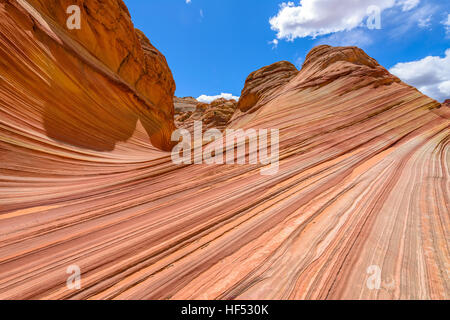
(363, 181)
(77, 67)
(261, 84)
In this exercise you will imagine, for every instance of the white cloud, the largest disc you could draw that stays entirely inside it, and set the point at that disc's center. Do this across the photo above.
(422, 18)
(188, 1)
(431, 75)
(274, 43)
(408, 4)
(312, 18)
(424, 22)
(446, 23)
(357, 38)
(209, 99)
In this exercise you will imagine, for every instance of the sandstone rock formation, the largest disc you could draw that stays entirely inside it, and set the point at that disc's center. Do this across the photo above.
(261, 84)
(216, 114)
(71, 71)
(156, 83)
(363, 180)
(325, 64)
(186, 104)
(446, 103)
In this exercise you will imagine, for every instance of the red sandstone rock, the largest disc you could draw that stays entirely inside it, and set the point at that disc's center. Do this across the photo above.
(363, 178)
(109, 44)
(216, 114)
(325, 64)
(186, 104)
(262, 84)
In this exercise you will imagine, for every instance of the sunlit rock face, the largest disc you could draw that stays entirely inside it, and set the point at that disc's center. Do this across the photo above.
(216, 114)
(363, 180)
(78, 74)
(186, 104)
(325, 64)
(156, 83)
(263, 83)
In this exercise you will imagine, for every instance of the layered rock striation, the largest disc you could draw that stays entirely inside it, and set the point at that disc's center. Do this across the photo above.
(74, 76)
(186, 104)
(216, 114)
(261, 85)
(362, 185)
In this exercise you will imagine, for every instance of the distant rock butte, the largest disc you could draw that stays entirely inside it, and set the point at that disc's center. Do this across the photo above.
(186, 104)
(363, 180)
(216, 114)
(262, 83)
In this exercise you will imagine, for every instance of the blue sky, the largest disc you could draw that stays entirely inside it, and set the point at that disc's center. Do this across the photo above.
(212, 45)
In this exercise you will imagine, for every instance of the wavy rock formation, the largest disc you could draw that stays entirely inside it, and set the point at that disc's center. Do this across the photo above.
(362, 187)
(260, 85)
(76, 75)
(183, 105)
(216, 114)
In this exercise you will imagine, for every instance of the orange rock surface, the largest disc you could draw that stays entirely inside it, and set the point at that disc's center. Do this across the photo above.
(183, 105)
(216, 114)
(363, 178)
(78, 74)
(261, 84)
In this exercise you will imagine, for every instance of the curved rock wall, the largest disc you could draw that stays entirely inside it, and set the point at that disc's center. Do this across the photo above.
(263, 82)
(107, 46)
(363, 178)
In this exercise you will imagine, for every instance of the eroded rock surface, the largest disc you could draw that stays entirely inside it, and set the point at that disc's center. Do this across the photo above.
(186, 104)
(216, 114)
(261, 84)
(324, 64)
(106, 65)
(363, 179)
